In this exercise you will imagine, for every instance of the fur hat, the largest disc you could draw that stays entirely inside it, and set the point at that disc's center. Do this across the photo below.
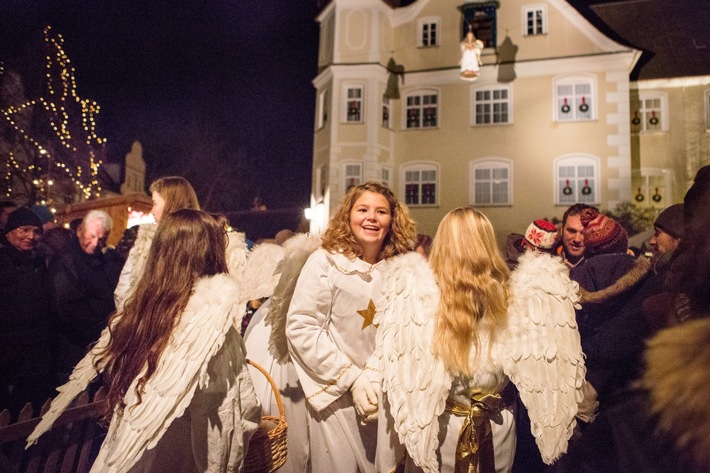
(20, 217)
(541, 234)
(602, 234)
(671, 221)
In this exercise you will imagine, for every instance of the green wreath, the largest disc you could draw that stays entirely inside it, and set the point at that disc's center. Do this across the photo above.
(584, 107)
(653, 121)
(565, 108)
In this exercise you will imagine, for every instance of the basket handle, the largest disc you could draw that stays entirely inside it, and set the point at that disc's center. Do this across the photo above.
(277, 395)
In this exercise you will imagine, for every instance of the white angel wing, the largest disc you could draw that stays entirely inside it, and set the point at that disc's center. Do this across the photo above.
(297, 250)
(181, 370)
(84, 372)
(541, 351)
(414, 379)
(236, 254)
(259, 277)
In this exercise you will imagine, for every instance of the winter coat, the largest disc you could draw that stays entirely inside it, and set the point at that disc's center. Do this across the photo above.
(24, 313)
(663, 423)
(81, 288)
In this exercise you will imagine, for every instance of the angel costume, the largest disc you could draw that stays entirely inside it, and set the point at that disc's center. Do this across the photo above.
(265, 340)
(330, 337)
(198, 410)
(138, 256)
(452, 423)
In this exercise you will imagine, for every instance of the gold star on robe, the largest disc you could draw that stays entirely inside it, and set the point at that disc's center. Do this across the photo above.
(368, 314)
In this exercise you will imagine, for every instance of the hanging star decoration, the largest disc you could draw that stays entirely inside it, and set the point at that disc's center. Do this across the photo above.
(368, 315)
(61, 142)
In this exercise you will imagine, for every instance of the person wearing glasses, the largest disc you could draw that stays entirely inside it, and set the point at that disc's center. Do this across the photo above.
(24, 318)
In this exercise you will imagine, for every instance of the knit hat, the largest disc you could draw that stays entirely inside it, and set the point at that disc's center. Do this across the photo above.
(602, 234)
(671, 221)
(541, 234)
(21, 217)
(45, 215)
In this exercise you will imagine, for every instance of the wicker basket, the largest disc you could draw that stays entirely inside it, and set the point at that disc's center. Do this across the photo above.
(268, 446)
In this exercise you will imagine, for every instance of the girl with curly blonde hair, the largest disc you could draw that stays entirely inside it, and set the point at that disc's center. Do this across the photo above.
(331, 333)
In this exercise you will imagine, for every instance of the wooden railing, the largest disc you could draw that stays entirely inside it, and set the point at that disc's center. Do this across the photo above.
(70, 447)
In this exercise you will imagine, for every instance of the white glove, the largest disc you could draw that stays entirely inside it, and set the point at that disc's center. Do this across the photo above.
(364, 396)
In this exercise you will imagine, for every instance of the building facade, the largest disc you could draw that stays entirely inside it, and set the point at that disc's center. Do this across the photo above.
(546, 123)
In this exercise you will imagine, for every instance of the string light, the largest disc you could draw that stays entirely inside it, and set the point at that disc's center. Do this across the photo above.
(71, 122)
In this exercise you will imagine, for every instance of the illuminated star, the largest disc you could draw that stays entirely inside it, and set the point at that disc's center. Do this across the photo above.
(368, 314)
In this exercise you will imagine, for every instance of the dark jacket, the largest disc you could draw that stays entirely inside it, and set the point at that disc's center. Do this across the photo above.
(663, 423)
(81, 287)
(24, 314)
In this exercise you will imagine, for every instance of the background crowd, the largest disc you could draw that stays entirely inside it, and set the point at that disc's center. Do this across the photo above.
(59, 287)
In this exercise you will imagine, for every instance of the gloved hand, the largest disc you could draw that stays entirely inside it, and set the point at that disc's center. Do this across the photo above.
(364, 396)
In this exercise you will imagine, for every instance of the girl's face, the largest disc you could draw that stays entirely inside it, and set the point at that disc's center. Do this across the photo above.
(370, 220)
(158, 206)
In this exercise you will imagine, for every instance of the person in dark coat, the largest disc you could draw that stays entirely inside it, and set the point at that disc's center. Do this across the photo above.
(662, 422)
(609, 278)
(24, 315)
(81, 283)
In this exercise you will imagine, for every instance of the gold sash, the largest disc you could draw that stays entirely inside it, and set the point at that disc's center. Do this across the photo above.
(475, 445)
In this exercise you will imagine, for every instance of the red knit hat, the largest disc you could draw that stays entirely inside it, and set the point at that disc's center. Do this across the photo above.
(541, 234)
(602, 234)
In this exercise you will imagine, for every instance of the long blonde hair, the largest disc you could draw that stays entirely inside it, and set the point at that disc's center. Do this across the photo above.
(473, 281)
(400, 238)
(189, 244)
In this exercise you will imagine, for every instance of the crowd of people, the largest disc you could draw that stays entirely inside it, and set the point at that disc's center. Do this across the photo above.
(393, 351)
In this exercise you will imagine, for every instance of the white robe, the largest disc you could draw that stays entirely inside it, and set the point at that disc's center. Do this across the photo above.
(330, 343)
(256, 340)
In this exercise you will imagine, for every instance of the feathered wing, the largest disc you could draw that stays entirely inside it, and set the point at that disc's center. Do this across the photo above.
(297, 250)
(541, 350)
(415, 381)
(84, 372)
(182, 368)
(259, 277)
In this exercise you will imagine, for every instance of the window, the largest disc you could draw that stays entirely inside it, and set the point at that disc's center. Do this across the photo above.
(428, 32)
(653, 188)
(322, 109)
(420, 184)
(576, 180)
(321, 183)
(651, 113)
(491, 179)
(491, 105)
(422, 110)
(354, 105)
(574, 99)
(353, 175)
(482, 19)
(707, 109)
(386, 111)
(535, 20)
(385, 175)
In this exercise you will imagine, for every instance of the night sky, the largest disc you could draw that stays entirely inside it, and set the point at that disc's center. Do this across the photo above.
(226, 78)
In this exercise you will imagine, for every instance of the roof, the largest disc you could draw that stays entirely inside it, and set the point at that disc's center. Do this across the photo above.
(674, 36)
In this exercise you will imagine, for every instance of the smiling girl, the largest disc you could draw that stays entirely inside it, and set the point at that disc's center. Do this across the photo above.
(330, 330)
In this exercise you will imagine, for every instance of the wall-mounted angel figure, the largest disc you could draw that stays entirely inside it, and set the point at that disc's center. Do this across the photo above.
(471, 56)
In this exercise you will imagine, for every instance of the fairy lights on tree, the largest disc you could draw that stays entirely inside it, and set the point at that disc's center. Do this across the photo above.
(52, 150)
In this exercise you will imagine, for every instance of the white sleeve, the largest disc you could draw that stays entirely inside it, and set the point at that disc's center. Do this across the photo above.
(325, 372)
(120, 294)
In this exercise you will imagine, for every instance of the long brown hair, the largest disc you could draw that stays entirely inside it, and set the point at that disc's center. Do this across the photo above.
(188, 244)
(177, 193)
(473, 280)
(400, 238)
